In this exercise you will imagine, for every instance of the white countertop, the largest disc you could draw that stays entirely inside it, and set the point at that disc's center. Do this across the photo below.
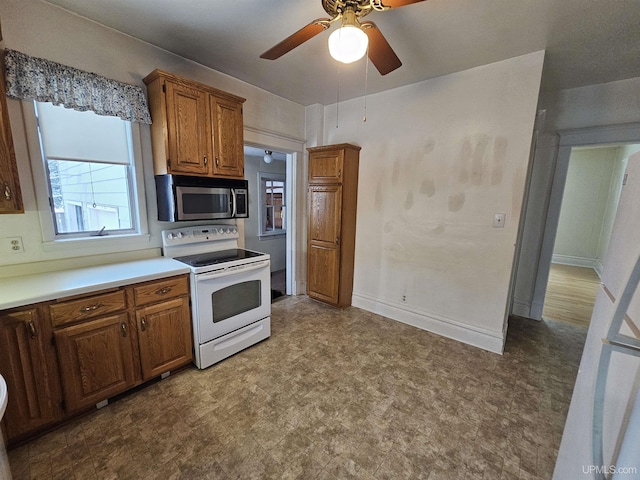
(28, 289)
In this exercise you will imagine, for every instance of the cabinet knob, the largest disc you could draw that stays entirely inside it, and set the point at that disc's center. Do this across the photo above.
(143, 324)
(205, 160)
(7, 191)
(123, 326)
(217, 162)
(163, 291)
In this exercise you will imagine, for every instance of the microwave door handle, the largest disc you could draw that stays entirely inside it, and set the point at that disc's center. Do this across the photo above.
(234, 203)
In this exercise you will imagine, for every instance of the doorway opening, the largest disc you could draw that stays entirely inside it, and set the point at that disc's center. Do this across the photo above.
(269, 224)
(591, 192)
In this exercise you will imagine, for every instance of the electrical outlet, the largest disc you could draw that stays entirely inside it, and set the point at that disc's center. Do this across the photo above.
(404, 298)
(498, 220)
(14, 244)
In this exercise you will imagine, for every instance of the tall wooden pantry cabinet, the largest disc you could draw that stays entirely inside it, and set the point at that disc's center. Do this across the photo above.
(332, 196)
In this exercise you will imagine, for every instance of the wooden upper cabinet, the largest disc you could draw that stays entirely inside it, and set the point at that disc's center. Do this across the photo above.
(333, 192)
(10, 193)
(187, 129)
(28, 364)
(228, 137)
(197, 129)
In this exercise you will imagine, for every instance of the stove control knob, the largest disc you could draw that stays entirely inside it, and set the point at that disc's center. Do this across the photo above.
(234, 230)
(169, 236)
(228, 230)
(179, 235)
(214, 231)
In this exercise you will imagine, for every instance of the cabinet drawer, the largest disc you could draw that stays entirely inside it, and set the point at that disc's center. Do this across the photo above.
(89, 307)
(156, 291)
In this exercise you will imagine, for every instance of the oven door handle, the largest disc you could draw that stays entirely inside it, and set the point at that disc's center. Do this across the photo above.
(233, 270)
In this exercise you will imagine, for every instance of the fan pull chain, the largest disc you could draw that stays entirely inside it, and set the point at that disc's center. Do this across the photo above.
(366, 80)
(338, 98)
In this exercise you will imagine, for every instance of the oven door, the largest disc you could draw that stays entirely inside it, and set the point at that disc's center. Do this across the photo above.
(231, 299)
(203, 203)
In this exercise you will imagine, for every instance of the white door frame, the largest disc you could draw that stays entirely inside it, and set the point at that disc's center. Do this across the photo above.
(626, 133)
(293, 147)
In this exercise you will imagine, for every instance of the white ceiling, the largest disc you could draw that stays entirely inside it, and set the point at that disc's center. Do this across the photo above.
(587, 41)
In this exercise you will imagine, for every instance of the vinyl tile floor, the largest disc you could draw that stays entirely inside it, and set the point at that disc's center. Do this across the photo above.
(334, 394)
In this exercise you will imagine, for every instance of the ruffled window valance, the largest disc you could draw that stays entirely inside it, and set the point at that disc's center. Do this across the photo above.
(38, 79)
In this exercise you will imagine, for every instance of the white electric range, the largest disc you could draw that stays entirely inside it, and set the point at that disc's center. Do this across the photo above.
(230, 290)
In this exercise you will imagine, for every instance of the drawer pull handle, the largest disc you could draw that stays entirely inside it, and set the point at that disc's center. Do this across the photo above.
(123, 326)
(7, 192)
(143, 324)
(163, 291)
(91, 308)
(205, 160)
(32, 329)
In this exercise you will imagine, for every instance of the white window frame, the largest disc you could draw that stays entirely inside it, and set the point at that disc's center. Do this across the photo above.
(138, 239)
(262, 234)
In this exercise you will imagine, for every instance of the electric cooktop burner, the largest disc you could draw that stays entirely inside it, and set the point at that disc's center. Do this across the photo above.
(213, 258)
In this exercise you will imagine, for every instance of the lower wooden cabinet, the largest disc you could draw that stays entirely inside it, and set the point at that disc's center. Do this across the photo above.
(164, 336)
(28, 364)
(60, 358)
(96, 360)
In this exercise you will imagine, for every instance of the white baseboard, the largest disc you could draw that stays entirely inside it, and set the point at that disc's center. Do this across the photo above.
(575, 261)
(478, 337)
(599, 268)
(536, 310)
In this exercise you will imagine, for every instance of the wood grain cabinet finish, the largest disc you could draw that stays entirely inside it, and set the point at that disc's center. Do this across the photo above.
(86, 349)
(164, 333)
(196, 130)
(332, 200)
(96, 360)
(28, 364)
(10, 193)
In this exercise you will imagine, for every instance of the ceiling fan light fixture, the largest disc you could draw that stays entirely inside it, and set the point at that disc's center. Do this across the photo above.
(268, 158)
(348, 43)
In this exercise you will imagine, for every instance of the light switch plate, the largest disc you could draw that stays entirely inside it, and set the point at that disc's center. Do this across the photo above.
(498, 220)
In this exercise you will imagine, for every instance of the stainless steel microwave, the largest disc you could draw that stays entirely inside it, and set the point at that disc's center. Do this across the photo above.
(185, 198)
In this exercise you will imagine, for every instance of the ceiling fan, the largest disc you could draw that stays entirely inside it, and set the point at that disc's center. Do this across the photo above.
(353, 39)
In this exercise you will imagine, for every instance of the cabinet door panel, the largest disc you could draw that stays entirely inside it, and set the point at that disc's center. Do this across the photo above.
(164, 333)
(326, 167)
(227, 138)
(188, 126)
(96, 360)
(323, 281)
(325, 205)
(28, 364)
(10, 194)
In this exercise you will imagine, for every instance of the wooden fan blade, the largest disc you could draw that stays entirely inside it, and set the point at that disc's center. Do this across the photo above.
(399, 3)
(380, 52)
(305, 33)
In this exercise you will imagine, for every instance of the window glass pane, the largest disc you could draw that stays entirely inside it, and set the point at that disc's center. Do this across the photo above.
(272, 208)
(90, 171)
(88, 196)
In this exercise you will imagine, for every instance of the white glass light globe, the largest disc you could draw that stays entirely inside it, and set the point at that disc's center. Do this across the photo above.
(348, 44)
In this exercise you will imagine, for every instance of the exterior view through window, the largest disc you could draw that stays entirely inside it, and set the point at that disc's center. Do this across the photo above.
(272, 204)
(89, 168)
